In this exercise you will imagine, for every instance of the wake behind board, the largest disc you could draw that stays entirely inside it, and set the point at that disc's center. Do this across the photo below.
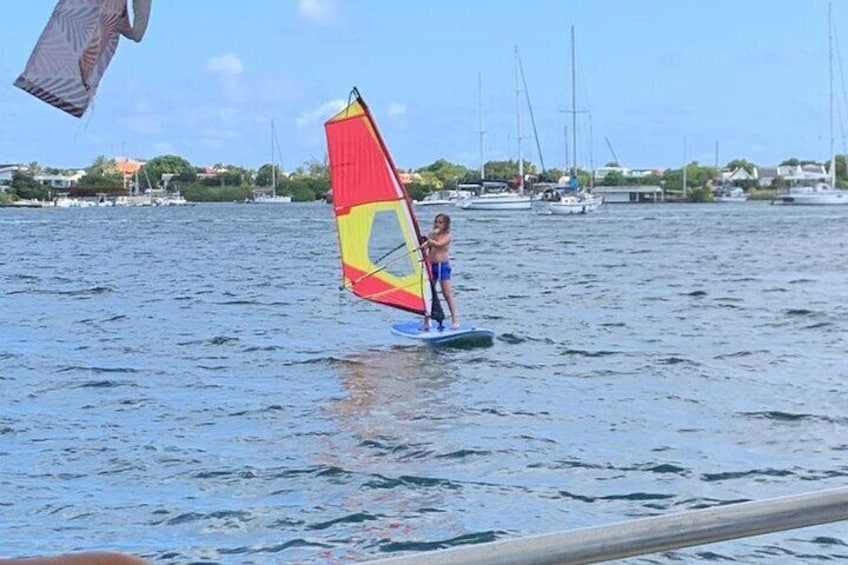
(465, 335)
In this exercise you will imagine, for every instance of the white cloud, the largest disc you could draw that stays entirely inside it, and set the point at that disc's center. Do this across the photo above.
(397, 109)
(325, 111)
(322, 12)
(227, 64)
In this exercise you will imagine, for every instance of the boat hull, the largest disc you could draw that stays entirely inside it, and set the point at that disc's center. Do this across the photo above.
(495, 202)
(567, 206)
(273, 200)
(813, 199)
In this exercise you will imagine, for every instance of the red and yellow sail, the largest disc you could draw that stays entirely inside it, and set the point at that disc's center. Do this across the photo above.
(378, 232)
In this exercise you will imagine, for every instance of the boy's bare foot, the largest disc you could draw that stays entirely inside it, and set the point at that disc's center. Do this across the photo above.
(454, 325)
(424, 328)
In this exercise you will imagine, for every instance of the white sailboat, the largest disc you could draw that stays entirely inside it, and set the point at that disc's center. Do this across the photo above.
(490, 195)
(819, 193)
(273, 198)
(569, 198)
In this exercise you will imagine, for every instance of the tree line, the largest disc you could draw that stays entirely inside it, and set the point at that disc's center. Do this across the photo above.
(310, 181)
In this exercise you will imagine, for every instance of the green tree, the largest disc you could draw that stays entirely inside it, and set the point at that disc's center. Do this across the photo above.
(794, 162)
(24, 185)
(101, 166)
(552, 175)
(741, 164)
(701, 194)
(313, 168)
(304, 188)
(182, 170)
(263, 175)
(92, 181)
(417, 191)
(199, 193)
(233, 175)
(445, 172)
(429, 179)
(614, 178)
(507, 170)
(841, 172)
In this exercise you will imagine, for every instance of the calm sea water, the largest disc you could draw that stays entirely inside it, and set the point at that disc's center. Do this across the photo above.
(190, 385)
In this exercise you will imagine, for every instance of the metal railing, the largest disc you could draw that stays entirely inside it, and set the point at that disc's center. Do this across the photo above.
(647, 535)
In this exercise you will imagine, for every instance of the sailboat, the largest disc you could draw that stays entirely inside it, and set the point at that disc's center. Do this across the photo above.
(379, 238)
(273, 198)
(819, 193)
(496, 195)
(568, 198)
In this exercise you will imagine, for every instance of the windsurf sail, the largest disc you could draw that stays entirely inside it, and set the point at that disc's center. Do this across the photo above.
(379, 238)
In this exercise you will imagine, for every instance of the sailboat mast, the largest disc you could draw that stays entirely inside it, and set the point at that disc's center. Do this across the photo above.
(480, 113)
(518, 123)
(684, 166)
(830, 71)
(273, 166)
(573, 107)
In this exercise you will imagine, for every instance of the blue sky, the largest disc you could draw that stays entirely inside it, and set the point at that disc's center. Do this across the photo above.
(749, 77)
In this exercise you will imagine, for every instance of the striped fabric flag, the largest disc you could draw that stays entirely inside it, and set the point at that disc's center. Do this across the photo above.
(75, 48)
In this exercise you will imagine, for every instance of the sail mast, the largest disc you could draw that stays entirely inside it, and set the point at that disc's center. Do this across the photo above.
(273, 165)
(480, 112)
(830, 71)
(573, 108)
(518, 123)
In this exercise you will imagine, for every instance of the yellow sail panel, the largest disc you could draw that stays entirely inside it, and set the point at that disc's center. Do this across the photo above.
(386, 268)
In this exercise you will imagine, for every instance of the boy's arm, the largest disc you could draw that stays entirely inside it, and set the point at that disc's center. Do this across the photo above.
(439, 239)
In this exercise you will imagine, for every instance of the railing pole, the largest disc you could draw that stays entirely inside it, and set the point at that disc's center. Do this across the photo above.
(648, 535)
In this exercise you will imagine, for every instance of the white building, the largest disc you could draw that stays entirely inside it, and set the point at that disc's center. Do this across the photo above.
(630, 194)
(59, 181)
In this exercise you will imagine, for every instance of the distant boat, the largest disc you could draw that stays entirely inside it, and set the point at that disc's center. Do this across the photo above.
(175, 199)
(493, 195)
(442, 198)
(819, 193)
(566, 199)
(730, 194)
(65, 201)
(273, 198)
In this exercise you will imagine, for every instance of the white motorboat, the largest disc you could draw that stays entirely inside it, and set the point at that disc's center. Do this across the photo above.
(442, 198)
(495, 200)
(272, 199)
(730, 194)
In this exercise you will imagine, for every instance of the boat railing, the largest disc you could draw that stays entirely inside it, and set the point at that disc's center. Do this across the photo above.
(648, 535)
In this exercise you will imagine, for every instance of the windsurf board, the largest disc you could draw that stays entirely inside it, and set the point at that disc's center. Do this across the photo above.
(465, 334)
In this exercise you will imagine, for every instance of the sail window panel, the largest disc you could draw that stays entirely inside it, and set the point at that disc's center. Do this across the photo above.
(387, 245)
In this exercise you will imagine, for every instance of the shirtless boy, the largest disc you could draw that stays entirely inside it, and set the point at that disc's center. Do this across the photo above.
(438, 252)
